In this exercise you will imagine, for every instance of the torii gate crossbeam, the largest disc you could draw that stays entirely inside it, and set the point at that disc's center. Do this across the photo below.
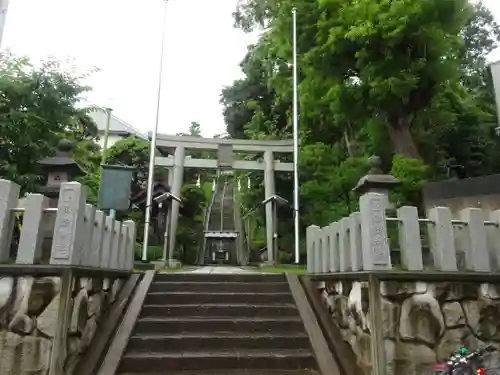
(177, 145)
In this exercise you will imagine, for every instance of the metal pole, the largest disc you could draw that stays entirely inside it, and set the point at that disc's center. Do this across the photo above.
(495, 75)
(106, 135)
(295, 141)
(112, 212)
(4, 6)
(152, 151)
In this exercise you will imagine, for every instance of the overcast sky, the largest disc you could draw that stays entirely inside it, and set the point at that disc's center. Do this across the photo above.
(122, 38)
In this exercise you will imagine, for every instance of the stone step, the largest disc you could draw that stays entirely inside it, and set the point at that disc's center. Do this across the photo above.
(235, 287)
(215, 360)
(220, 277)
(219, 310)
(232, 372)
(195, 342)
(218, 325)
(171, 298)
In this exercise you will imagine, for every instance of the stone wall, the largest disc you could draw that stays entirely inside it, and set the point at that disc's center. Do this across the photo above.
(29, 309)
(422, 322)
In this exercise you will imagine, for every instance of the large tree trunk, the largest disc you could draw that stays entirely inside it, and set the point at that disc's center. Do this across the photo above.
(351, 145)
(402, 139)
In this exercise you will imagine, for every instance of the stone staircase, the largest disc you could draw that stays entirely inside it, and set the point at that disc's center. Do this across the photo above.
(228, 211)
(219, 324)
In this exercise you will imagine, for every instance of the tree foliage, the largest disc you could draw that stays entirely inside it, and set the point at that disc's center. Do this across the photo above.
(38, 107)
(404, 78)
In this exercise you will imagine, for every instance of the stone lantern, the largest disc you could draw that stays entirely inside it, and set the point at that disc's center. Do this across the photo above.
(376, 181)
(59, 168)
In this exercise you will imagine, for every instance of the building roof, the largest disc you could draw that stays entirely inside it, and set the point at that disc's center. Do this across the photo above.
(116, 126)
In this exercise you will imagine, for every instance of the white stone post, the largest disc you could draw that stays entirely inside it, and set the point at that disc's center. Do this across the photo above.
(97, 239)
(325, 250)
(311, 238)
(86, 256)
(355, 242)
(115, 248)
(476, 250)
(107, 244)
(130, 250)
(69, 234)
(318, 253)
(409, 238)
(30, 243)
(9, 192)
(374, 239)
(122, 252)
(344, 245)
(442, 240)
(334, 247)
(493, 234)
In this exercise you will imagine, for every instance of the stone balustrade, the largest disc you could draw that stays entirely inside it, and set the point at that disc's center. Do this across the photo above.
(405, 292)
(82, 235)
(361, 242)
(51, 303)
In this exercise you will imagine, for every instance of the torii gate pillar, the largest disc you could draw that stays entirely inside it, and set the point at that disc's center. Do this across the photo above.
(269, 190)
(177, 179)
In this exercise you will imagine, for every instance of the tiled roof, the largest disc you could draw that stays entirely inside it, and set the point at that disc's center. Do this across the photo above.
(116, 125)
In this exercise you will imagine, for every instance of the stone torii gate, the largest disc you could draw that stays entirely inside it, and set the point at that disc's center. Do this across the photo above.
(177, 146)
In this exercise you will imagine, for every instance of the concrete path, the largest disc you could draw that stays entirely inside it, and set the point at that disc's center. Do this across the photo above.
(223, 270)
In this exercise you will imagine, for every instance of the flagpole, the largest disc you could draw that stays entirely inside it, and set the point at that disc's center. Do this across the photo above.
(4, 6)
(152, 151)
(295, 141)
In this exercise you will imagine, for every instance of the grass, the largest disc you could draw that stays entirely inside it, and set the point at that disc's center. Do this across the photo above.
(300, 270)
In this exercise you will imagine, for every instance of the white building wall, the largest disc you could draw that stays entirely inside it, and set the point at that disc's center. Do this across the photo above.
(112, 139)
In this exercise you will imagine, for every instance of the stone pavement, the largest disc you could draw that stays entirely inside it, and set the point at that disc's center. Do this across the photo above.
(223, 270)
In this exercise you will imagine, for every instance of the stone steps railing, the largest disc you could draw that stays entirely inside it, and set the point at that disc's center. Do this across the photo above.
(81, 235)
(361, 241)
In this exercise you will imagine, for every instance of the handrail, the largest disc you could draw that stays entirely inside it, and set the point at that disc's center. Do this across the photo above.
(208, 213)
(224, 188)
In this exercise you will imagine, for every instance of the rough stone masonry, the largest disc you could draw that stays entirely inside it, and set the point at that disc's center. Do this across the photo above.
(422, 322)
(29, 317)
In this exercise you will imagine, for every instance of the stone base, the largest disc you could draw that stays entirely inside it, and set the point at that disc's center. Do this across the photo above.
(267, 263)
(159, 264)
(173, 263)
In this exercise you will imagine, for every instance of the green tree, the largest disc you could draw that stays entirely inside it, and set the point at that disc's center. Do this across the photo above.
(403, 77)
(38, 107)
